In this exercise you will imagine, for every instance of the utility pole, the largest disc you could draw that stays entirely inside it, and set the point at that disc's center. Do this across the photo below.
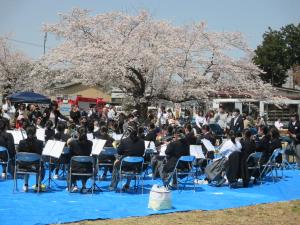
(45, 39)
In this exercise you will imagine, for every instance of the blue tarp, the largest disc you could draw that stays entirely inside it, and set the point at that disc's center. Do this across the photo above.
(59, 206)
(29, 97)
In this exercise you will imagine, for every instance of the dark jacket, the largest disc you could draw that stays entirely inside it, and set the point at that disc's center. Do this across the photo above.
(32, 146)
(151, 136)
(75, 116)
(57, 115)
(294, 129)
(49, 134)
(7, 141)
(263, 145)
(174, 151)
(191, 138)
(78, 148)
(129, 148)
(248, 147)
(61, 137)
(33, 115)
(238, 127)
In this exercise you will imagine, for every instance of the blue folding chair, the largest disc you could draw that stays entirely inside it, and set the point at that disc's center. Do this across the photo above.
(271, 165)
(149, 152)
(253, 163)
(82, 160)
(27, 163)
(132, 166)
(107, 152)
(4, 150)
(184, 168)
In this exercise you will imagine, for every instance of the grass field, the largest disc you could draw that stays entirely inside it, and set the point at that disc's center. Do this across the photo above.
(285, 213)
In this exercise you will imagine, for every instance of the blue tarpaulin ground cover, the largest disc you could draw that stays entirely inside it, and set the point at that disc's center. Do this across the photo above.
(59, 206)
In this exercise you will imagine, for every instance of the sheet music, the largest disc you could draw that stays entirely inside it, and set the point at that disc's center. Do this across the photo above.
(98, 145)
(208, 145)
(18, 135)
(117, 137)
(150, 145)
(196, 150)
(53, 148)
(163, 149)
(40, 134)
(90, 136)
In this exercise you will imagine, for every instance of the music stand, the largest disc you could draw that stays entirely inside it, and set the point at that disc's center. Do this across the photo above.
(98, 145)
(53, 149)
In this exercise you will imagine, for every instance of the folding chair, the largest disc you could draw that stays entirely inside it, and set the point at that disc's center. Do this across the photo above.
(6, 162)
(106, 152)
(132, 166)
(147, 160)
(253, 163)
(82, 160)
(27, 163)
(187, 172)
(271, 165)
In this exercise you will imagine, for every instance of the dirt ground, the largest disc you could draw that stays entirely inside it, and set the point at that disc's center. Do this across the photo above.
(276, 214)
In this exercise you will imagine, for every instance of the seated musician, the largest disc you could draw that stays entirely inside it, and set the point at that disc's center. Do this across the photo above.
(179, 147)
(248, 147)
(32, 145)
(61, 136)
(80, 147)
(263, 143)
(190, 135)
(103, 134)
(130, 146)
(231, 150)
(275, 143)
(6, 141)
(209, 155)
(152, 134)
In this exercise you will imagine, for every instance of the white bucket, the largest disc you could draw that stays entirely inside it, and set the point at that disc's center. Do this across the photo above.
(160, 198)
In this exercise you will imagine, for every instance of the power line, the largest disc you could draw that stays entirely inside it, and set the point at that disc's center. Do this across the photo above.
(26, 43)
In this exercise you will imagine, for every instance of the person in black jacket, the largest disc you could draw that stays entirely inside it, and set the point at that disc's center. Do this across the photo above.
(75, 114)
(80, 147)
(32, 145)
(152, 134)
(237, 122)
(294, 126)
(130, 146)
(189, 135)
(263, 143)
(103, 134)
(179, 147)
(49, 131)
(248, 147)
(6, 141)
(65, 156)
(52, 113)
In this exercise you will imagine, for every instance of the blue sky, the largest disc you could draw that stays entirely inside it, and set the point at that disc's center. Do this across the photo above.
(24, 18)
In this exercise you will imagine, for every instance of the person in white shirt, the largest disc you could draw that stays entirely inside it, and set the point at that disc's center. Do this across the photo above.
(200, 120)
(8, 110)
(221, 118)
(162, 116)
(230, 146)
(278, 124)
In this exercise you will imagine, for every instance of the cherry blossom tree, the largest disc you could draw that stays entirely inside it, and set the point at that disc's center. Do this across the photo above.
(14, 69)
(151, 60)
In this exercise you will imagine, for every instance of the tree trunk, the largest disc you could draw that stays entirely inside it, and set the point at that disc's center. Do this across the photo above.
(143, 110)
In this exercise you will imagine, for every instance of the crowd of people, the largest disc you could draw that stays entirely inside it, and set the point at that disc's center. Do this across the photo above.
(239, 133)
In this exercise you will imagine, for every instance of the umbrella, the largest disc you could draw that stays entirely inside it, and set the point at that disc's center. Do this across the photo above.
(29, 97)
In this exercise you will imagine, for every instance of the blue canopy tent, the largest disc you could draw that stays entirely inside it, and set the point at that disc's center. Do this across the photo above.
(29, 97)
